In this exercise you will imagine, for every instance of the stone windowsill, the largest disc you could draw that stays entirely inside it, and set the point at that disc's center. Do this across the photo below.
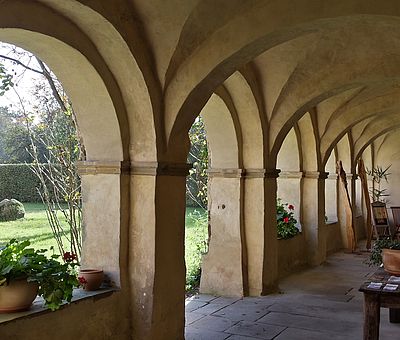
(290, 238)
(38, 307)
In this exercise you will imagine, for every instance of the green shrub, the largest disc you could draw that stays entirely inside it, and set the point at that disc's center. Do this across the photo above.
(11, 210)
(19, 182)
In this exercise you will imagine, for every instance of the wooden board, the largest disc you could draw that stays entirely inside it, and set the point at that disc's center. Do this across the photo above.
(350, 231)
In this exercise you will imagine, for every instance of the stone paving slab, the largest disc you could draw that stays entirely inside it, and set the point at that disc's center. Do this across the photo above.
(319, 303)
(202, 298)
(201, 334)
(304, 334)
(213, 323)
(311, 323)
(192, 305)
(327, 311)
(243, 312)
(226, 300)
(256, 330)
(192, 317)
(210, 308)
(239, 337)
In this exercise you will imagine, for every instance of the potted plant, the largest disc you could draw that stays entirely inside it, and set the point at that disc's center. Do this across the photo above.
(386, 251)
(26, 272)
(285, 220)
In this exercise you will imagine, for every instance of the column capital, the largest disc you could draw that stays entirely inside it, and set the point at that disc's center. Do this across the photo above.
(351, 176)
(225, 173)
(291, 174)
(316, 174)
(101, 167)
(333, 176)
(160, 169)
(355, 176)
(262, 173)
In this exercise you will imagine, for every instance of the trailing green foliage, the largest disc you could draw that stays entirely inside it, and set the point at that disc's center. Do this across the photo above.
(196, 244)
(376, 251)
(285, 220)
(55, 279)
(19, 182)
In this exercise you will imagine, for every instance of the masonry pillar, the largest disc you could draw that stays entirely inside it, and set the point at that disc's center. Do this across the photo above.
(313, 215)
(223, 267)
(270, 263)
(260, 188)
(156, 252)
(105, 221)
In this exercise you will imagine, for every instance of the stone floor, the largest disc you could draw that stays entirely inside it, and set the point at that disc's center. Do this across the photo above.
(319, 303)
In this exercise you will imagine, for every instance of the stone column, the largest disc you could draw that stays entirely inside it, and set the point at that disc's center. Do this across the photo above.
(223, 267)
(156, 250)
(260, 230)
(313, 215)
(104, 222)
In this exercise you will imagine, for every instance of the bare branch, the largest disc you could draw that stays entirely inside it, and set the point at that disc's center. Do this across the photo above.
(14, 60)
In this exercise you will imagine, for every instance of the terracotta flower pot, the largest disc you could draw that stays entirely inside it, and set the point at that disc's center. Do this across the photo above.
(391, 261)
(91, 279)
(17, 296)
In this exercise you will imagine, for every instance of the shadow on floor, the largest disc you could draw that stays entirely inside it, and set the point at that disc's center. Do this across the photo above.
(319, 303)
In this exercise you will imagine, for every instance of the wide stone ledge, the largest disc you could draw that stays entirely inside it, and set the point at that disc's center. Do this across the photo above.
(160, 169)
(38, 307)
(101, 167)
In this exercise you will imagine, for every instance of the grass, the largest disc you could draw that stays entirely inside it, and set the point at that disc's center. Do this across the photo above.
(196, 234)
(36, 228)
(33, 226)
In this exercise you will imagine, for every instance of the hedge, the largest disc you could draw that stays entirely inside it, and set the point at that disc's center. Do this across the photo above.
(19, 182)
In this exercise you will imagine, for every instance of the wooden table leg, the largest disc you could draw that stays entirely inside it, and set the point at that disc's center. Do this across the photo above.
(371, 316)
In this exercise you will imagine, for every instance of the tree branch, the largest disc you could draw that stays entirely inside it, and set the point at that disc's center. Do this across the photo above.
(46, 73)
(2, 56)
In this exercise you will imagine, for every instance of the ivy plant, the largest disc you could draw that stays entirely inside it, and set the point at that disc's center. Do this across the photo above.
(376, 251)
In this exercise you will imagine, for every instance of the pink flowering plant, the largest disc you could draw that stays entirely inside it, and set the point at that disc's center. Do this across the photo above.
(285, 220)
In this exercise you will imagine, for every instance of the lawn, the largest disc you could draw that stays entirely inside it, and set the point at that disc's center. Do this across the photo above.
(33, 227)
(196, 234)
(36, 228)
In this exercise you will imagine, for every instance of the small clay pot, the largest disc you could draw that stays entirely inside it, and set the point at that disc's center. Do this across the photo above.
(391, 261)
(17, 296)
(93, 278)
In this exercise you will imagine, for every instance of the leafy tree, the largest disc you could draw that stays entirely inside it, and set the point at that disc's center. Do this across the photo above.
(196, 184)
(5, 80)
(54, 139)
(13, 138)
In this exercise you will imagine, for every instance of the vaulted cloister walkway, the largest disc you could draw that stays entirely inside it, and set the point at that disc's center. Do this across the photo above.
(318, 303)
